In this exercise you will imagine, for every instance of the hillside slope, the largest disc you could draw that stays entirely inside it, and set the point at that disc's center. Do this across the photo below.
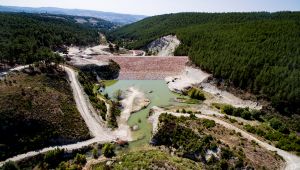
(258, 52)
(24, 38)
(37, 111)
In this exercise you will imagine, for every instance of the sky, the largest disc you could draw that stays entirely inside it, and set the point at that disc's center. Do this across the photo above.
(155, 7)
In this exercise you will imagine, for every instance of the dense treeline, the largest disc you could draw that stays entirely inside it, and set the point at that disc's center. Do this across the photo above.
(258, 52)
(23, 37)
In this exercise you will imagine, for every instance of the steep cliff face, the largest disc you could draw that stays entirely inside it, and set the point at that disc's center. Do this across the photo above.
(164, 46)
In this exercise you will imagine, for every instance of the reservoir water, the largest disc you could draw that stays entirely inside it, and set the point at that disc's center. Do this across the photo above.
(159, 95)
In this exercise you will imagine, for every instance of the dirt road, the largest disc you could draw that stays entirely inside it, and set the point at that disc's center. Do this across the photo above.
(95, 125)
(292, 161)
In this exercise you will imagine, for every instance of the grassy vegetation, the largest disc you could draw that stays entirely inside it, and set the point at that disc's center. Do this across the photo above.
(272, 129)
(150, 159)
(252, 51)
(244, 113)
(37, 111)
(192, 138)
(114, 113)
(108, 83)
(59, 159)
(187, 136)
(285, 140)
(87, 80)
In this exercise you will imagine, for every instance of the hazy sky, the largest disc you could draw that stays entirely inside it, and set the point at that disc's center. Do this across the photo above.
(154, 7)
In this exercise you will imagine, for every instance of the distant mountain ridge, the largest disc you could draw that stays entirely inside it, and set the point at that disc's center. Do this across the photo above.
(109, 16)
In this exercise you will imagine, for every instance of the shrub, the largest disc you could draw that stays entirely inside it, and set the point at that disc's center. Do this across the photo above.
(226, 153)
(227, 109)
(250, 128)
(80, 159)
(246, 114)
(237, 112)
(108, 150)
(223, 164)
(256, 115)
(195, 93)
(239, 163)
(232, 120)
(54, 157)
(95, 153)
(209, 123)
(275, 123)
(192, 116)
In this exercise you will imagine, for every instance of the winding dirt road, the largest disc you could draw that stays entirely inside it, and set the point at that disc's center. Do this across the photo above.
(292, 161)
(92, 120)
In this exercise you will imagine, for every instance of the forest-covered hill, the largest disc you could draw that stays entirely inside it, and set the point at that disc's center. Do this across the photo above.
(258, 52)
(23, 37)
(109, 16)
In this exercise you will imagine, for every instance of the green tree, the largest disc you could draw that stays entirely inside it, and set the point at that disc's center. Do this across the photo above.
(111, 48)
(117, 48)
(80, 159)
(54, 157)
(95, 153)
(108, 150)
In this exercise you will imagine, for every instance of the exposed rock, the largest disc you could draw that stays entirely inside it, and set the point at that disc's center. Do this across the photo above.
(164, 46)
(135, 127)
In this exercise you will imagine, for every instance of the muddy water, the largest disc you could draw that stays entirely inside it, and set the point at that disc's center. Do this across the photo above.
(159, 95)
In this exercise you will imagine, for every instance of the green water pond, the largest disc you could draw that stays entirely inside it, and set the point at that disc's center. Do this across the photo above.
(159, 95)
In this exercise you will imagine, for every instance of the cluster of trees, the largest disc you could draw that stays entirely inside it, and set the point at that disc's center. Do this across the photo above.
(244, 113)
(172, 134)
(88, 77)
(105, 72)
(24, 38)
(115, 112)
(87, 80)
(285, 140)
(258, 52)
(176, 132)
(273, 129)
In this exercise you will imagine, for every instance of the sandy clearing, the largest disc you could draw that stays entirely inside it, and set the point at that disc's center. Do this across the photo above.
(194, 76)
(188, 77)
(292, 161)
(86, 51)
(134, 101)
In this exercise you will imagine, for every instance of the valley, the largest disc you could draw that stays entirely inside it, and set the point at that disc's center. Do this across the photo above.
(125, 99)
